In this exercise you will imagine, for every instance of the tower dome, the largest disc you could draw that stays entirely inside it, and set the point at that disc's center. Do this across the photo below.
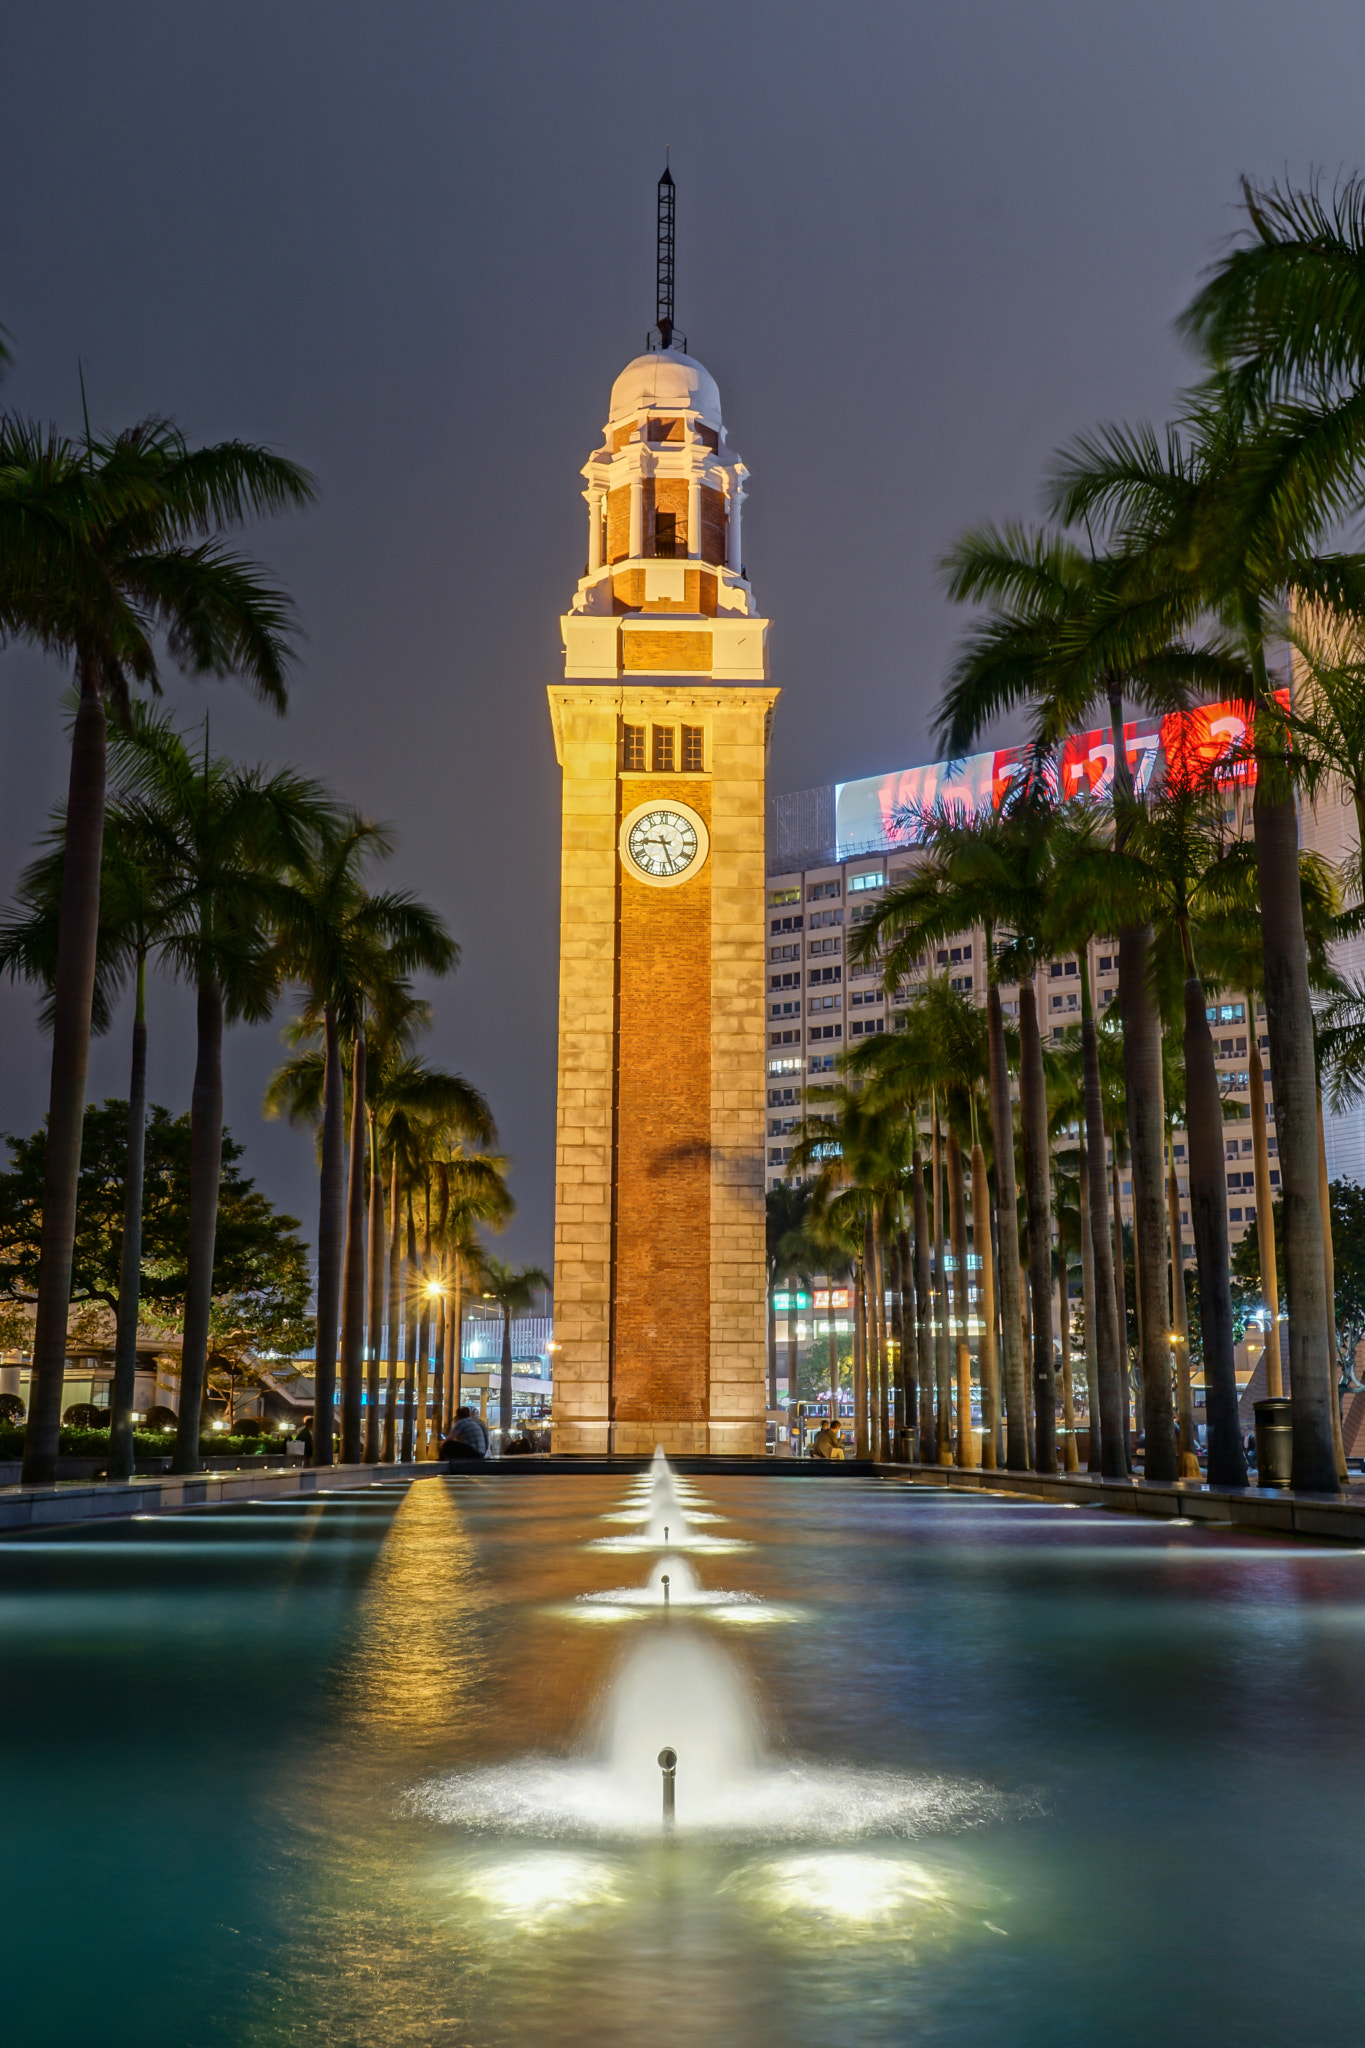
(666, 380)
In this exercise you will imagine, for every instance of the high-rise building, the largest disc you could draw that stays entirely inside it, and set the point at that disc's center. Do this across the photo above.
(661, 727)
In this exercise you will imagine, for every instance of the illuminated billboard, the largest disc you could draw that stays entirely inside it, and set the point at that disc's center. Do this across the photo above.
(883, 811)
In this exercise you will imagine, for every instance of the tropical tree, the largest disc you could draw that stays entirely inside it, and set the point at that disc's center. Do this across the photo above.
(786, 1209)
(1178, 842)
(130, 924)
(976, 874)
(1226, 522)
(108, 547)
(473, 1195)
(349, 947)
(1048, 640)
(260, 1271)
(512, 1288)
(223, 839)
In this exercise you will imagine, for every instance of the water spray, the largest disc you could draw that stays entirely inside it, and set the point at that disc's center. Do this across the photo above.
(668, 1764)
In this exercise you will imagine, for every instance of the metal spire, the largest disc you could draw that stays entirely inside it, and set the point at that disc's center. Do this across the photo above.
(663, 333)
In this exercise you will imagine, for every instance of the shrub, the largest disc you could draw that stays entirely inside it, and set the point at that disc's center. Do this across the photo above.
(11, 1408)
(159, 1417)
(85, 1415)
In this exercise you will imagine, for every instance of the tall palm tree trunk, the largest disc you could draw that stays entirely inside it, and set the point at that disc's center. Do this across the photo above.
(924, 1306)
(353, 1269)
(1104, 1323)
(1293, 1074)
(861, 1447)
(957, 1211)
(456, 1340)
(1070, 1459)
(1329, 1275)
(1147, 1158)
(908, 1358)
(122, 1455)
(1092, 1384)
(1180, 1329)
(1265, 1211)
(793, 1357)
(331, 1237)
(870, 1326)
(1038, 1209)
(73, 995)
(1007, 1226)
(1121, 1300)
(1027, 1334)
(879, 1330)
(373, 1419)
(438, 1371)
(411, 1319)
(988, 1354)
(206, 1165)
(943, 1402)
(505, 1390)
(1209, 1217)
(424, 1342)
(895, 1281)
(394, 1317)
(772, 1339)
(833, 1342)
(1146, 1121)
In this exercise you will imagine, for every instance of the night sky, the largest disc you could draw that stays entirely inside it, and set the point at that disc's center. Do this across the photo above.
(411, 246)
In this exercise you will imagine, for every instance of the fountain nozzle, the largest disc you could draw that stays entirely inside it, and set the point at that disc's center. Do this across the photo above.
(664, 1583)
(665, 1532)
(668, 1764)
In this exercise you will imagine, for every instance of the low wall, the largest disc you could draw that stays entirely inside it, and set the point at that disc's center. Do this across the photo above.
(50, 1507)
(1273, 1510)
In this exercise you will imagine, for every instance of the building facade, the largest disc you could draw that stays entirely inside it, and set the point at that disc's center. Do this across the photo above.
(661, 730)
(831, 854)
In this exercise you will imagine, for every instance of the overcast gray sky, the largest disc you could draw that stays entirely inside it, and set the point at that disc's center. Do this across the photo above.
(412, 244)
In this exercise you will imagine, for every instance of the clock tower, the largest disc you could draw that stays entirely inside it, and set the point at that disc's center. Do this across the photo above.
(661, 730)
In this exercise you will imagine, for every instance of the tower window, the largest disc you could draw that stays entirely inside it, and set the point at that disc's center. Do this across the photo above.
(633, 748)
(693, 750)
(663, 750)
(666, 535)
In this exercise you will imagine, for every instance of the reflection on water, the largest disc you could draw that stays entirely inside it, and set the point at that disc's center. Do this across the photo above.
(355, 1771)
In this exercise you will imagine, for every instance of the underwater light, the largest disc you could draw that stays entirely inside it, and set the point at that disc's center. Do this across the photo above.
(848, 1887)
(532, 1887)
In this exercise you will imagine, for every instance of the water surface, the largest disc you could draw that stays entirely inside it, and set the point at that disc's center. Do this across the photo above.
(983, 1771)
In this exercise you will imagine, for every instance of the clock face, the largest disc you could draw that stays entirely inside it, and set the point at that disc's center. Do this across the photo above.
(662, 843)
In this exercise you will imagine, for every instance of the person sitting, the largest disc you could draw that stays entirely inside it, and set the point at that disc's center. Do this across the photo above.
(468, 1437)
(826, 1444)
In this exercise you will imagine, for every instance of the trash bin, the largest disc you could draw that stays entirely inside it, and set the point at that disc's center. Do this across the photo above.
(909, 1446)
(1274, 1441)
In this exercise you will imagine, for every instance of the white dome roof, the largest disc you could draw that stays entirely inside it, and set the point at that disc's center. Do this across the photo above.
(666, 380)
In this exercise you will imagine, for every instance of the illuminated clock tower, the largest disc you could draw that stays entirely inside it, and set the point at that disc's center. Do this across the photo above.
(661, 730)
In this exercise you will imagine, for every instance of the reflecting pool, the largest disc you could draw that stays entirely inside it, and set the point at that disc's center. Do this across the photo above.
(382, 1767)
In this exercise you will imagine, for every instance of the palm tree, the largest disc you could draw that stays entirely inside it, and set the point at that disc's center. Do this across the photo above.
(413, 1110)
(473, 1192)
(512, 1287)
(130, 924)
(785, 1212)
(944, 1046)
(104, 546)
(223, 840)
(1047, 641)
(976, 875)
(1227, 521)
(347, 946)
